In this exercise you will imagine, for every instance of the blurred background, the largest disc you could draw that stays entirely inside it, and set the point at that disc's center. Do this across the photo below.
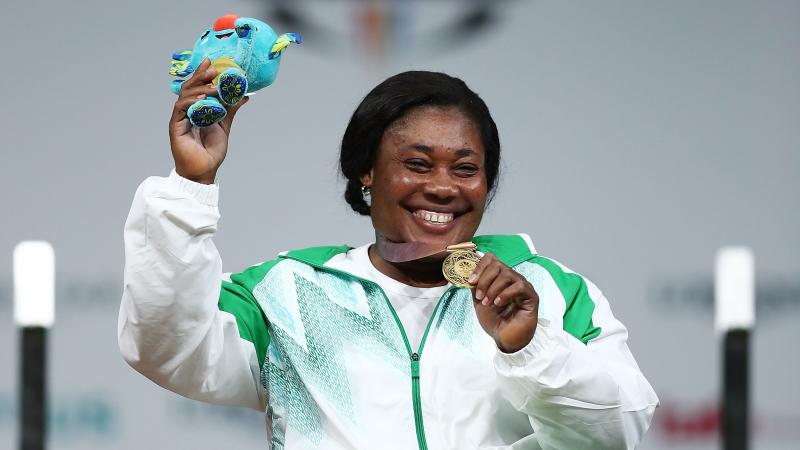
(638, 138)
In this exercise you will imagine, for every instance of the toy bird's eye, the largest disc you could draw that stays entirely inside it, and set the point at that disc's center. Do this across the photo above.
(205, 34)
(243, 31)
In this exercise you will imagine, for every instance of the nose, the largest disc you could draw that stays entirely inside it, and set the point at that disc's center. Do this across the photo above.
(441, 186)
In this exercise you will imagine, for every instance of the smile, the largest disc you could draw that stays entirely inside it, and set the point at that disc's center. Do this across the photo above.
(432, 216)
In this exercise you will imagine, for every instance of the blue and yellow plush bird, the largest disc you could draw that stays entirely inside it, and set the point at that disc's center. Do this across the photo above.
(246, 53)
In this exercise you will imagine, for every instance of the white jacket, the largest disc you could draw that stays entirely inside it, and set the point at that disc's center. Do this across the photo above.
(322, 352)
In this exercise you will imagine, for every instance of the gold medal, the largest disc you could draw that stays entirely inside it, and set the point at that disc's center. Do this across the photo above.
(460, 264)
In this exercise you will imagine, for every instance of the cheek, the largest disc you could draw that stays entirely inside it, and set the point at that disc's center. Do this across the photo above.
(476, 190)
(396, 177)
(394, 186)
(388, 193)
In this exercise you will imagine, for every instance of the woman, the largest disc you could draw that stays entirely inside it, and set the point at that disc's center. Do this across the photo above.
(358, 348)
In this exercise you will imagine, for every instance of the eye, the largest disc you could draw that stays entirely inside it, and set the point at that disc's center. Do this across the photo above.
(467, 169)
(205, 35)
(417, 165)
(243, 31)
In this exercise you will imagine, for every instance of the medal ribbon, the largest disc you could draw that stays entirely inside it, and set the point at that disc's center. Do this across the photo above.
(409, 251)
(459, 264)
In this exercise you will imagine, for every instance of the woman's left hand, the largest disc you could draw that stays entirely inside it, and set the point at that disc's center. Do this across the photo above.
(505, 302)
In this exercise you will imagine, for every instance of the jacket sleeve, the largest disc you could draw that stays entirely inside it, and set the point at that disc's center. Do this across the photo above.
(180, 324)
(577, 380)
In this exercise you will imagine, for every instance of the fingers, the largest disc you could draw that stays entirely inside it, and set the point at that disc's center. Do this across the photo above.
(484, 275)
(517, 290)
(194, 91)
(497, 284)
(191, 96)
(500, 284)
(204, 74)
(487, 278)
(200, 82)
(179, 114)
(195, 88)
(486, 260)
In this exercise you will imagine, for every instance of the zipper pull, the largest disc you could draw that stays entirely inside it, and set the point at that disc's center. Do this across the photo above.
(414, 365)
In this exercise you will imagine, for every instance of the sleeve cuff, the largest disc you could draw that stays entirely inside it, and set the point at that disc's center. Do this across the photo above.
(206, 194)
(536, 347)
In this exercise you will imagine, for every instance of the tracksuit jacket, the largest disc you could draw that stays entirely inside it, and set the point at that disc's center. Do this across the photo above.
(322, 353)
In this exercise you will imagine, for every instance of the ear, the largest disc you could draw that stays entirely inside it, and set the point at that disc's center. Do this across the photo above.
(366, 179)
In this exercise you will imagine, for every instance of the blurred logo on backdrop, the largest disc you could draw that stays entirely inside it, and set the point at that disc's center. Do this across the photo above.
(700, 422)
(775, 295)
(382, 28)
(75, 417)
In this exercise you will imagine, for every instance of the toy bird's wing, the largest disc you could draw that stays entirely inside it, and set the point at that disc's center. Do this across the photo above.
(282, 42)
(180, 63)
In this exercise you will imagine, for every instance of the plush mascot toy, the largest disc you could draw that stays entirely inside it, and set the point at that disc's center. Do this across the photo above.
(245, 52)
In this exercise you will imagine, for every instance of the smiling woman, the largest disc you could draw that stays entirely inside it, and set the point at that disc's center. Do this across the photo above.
(427, 184)
(328, 340)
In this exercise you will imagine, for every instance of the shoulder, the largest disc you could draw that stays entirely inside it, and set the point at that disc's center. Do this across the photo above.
(562, 291)
(311, 256)
(518, 251)
(511, 249)
(565, 296)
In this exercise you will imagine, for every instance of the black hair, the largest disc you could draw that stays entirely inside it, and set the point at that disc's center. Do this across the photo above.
(392, 99)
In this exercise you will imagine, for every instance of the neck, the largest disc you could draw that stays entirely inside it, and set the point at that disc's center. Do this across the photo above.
(419, 273)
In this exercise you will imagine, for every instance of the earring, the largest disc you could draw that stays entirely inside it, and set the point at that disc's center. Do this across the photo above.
(366, 192)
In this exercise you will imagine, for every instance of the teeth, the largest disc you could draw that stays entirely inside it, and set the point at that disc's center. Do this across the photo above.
(433, 216)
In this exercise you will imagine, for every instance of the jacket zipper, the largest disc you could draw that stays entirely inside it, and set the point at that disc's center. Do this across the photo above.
(414, 356)
(417, 401)
(415, 360)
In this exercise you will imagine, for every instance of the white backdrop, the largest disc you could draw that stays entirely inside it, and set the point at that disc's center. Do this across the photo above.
(638, 137)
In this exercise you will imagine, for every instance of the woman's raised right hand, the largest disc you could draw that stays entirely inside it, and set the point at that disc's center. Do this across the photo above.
(198, 152)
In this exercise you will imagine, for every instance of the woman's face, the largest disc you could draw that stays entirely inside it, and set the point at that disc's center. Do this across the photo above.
(428, 182)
